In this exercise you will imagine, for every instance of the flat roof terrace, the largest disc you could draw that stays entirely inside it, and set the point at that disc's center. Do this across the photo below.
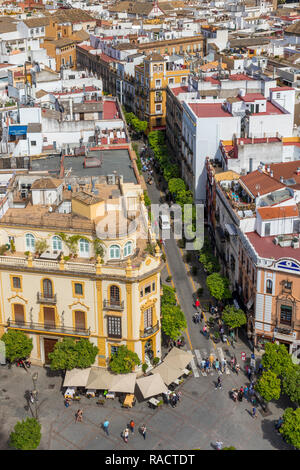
(112, 161)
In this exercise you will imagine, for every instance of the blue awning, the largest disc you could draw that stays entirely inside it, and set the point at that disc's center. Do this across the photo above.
(17, 130)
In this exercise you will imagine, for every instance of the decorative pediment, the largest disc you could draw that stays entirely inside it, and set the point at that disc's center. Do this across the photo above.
(288, 265)
(17, 297)
(78, 303)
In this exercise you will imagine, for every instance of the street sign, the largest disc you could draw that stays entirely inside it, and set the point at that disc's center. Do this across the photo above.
(243, 356)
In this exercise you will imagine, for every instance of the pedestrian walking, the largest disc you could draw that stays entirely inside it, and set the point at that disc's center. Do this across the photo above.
(197, 303)
(106, 426)
(237, 368)
(246, 392)
(219, 383)
(204, 330)
(67, 402)
(125, 435)
(78, 415)
(143, 431)
(260, 369)
(219, 445)
(202, 366)
(217, 365)
(207, 367)
(201, 315)
(253, 414)
(131, 425)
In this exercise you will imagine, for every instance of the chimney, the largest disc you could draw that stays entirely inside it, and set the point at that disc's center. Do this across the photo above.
(298, 171)
(281, 179)
(268, 168)
(271, 174)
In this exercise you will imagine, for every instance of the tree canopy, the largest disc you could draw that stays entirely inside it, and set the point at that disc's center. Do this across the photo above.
(173, 320)
(17, 345)
(218, 286)
(276, 358)
(26, 435)
(124, 360)
(168, 296)
(69, 354)
(233, 317)
(291, 383)
(269, 386)
(290, 428)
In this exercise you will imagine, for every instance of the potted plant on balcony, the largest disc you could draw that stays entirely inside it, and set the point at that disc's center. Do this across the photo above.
(40, 247)
(155, 361)
(3, 250)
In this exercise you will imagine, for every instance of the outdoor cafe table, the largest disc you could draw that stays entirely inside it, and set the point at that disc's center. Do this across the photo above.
(128, 402)
(153, 402)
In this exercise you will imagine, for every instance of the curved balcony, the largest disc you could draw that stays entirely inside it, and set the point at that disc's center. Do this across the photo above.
(149, 331)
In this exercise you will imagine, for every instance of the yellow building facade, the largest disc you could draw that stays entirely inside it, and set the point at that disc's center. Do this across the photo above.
(151, 81)
(111, 300)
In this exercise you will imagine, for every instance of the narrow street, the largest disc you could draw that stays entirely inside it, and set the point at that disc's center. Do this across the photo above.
(186, 290)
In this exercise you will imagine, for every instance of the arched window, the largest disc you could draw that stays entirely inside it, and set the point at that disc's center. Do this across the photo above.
(84, 247)
(56, 243)
(47, 289)
(269, 286)
(30, 242)
(128, 249)
(114, 251)
(114, 295)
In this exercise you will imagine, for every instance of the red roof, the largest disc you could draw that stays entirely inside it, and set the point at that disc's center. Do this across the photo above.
(261, 183)
(266, 248)
(209, 110)
(110, 110)
(181, 89)
(212, 80)
(282, 88)
(249, 97)
(271, 109)
(239, 76)
(282, 212)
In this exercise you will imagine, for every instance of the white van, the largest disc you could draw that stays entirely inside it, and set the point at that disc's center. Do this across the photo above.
(164, 222)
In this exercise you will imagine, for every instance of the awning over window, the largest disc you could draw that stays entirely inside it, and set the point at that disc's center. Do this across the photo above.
(17, 130)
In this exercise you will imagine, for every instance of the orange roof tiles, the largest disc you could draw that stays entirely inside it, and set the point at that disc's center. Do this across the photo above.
(281, 212)
(257, 182)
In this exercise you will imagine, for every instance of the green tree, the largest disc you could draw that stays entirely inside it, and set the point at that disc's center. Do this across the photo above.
(86, 353)
(26, 435)
(276, 358)
(269, 386)
(233, 317)
(175, 185)
(168, 296)
(291, 383)
(69, 354)
(124, 361)
(173, 321)
(290, 428)
(218, 286)
(17, 345)
(209, 261)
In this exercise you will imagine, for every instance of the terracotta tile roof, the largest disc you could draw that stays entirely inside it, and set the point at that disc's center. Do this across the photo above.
(249, 97)
(46, 183)
(257, 182)
(282, 212)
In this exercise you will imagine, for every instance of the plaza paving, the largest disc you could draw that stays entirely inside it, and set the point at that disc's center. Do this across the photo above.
(203, 416)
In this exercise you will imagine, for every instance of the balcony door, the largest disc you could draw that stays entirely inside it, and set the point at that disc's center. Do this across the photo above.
(47, 289)
(148, 318)
(49, 317)
(114, 295)
(79, 320)
(19, 313)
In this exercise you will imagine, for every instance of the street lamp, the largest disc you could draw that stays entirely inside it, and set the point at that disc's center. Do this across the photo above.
(34, 392)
